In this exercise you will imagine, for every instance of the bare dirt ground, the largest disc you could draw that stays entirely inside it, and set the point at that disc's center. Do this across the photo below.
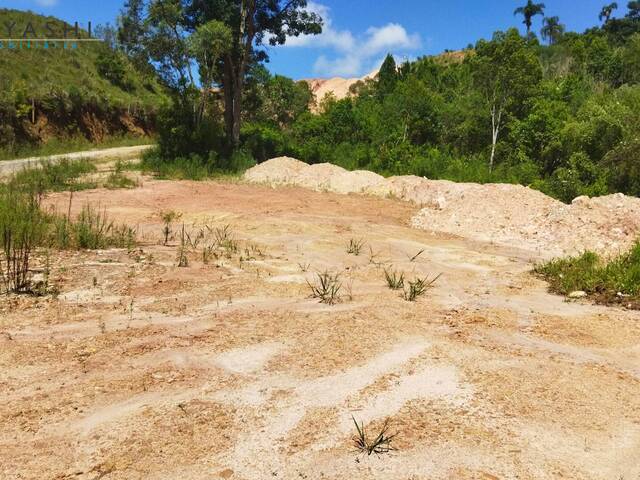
(139, 369)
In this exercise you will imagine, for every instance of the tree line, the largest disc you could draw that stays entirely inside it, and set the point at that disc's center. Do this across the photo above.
(561, 116)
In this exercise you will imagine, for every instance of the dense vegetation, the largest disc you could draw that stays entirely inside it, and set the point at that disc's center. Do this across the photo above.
(566, 116)
(69, 98)
(562, 116)
(614, 281)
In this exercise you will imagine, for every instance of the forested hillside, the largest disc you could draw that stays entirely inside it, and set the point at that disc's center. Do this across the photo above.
(556, 110)
(89, 94)
(565, 113)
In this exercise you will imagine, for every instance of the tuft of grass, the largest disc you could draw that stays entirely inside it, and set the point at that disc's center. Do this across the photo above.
(92, 229)
(355, 246)
(326, 288)
(616, 280)
(395, 280)
(225, 239)
(418, 287)
(118, 179)
(381, 444)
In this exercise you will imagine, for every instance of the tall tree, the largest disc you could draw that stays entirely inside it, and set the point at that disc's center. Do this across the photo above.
(507, 72)
(529, 11)
(252, 23)
(243, 27)
(634, 9)
(387, 76)
(552, 30)
(607, 11)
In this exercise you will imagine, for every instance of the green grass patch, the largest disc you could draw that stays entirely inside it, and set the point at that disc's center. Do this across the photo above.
(57, 176)
(612, 281)
(194, 167)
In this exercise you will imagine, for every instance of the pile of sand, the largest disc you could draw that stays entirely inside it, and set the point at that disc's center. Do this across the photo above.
(500, 213)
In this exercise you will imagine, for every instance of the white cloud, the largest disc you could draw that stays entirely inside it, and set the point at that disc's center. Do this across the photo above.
(354, 56)
(47, 3)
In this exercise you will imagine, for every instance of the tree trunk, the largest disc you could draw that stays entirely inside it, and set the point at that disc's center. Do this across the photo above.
(496, 118)
(228, 97)
(237, 111)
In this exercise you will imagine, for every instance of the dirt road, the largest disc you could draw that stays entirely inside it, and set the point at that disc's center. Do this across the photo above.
(143, 370)
(7, 167)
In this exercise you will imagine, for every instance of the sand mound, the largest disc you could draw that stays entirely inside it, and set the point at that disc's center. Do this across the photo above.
(500, 213)
(276, 171)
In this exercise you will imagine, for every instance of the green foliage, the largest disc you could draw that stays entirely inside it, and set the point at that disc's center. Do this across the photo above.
(55, 176)
(606, 280)
(66, 84)
(529, 11)
(387, 76)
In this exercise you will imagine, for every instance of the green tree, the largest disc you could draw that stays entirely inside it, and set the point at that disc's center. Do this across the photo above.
(252, 23)
(529, 11)
(634, 9)
(167, 26)
(387, 76)
(507, 72)
(552, 30)
(607, 11)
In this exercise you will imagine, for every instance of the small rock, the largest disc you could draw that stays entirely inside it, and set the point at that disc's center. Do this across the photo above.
(578, 294)
(227, 473)
(583, 199)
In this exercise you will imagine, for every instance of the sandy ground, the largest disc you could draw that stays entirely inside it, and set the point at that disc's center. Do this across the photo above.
(139, 369)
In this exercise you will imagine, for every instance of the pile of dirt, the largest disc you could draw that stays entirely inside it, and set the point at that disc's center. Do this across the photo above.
(504, 214)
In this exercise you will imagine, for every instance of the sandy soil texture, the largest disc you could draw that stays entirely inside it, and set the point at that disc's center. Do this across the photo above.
(139, 369)
(511, 215)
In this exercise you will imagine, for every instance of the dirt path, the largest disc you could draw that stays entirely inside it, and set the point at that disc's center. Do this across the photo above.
(7, 167)
(142, 370)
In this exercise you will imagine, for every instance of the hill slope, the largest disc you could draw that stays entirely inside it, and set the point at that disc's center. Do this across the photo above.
(53, 94)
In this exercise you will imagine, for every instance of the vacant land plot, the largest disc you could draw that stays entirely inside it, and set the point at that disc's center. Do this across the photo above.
(228, 368)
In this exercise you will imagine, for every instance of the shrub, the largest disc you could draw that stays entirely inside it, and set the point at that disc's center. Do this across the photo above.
(22, 229)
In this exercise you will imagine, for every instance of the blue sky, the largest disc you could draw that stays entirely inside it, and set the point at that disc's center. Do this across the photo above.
(359, 33)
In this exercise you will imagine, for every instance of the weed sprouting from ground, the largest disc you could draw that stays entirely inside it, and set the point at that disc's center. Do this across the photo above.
(418, 287)
(381, 444)
(355, 246)
(304, 267)
(224, 238)
(168, 217)
(326, 287)
(395, 280)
